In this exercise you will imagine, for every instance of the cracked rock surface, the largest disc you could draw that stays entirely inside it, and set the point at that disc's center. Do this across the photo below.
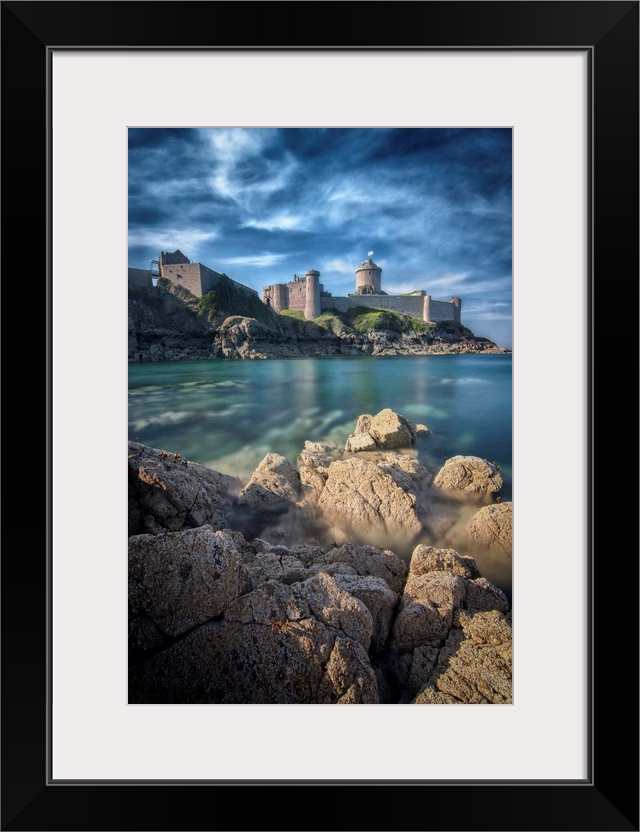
(167, 493)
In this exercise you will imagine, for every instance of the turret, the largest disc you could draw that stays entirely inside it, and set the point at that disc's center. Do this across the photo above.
(426, 308)
(312, 307)
(369, 275)
(457, 307)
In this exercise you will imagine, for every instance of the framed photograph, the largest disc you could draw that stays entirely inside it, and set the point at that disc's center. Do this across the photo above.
(558, 82)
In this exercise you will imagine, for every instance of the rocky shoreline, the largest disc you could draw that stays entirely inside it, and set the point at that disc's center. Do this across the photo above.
(285, 590)
(163, 327)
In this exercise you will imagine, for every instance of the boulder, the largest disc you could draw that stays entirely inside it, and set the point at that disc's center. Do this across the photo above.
(469, 476)
(475, 664)
(422, 430)
(168, 493)
(491, 527)
(364, 501)
(279, 644)
(274, 482)
(386, 430)
(441, 584)
(180, 580)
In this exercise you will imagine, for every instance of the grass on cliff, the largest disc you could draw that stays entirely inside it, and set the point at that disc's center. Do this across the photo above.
(364, 319)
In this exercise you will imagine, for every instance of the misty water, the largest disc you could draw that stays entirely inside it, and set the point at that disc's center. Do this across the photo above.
(228, 415)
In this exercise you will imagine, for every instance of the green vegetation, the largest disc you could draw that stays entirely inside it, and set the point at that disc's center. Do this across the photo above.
(293, 313)
(163, 283)
(363, 319)
(229, 299)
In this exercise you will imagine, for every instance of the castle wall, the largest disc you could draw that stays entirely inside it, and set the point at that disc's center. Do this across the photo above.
(139, 279)
(297, 294)
(208, 278)
(411, 305)
(276, 296)
(195, 277)
(184, 274)
(442, 310)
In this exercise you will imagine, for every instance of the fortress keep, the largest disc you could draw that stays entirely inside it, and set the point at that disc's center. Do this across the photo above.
(306, 294)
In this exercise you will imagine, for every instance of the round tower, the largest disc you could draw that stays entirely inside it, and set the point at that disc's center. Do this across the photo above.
(426, 308)
(369, 275)
(457, 307)
(312, 301)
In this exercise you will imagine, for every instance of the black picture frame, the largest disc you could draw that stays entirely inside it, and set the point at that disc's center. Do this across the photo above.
(608, 798)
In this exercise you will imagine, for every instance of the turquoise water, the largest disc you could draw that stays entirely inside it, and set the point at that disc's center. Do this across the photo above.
(229, 414)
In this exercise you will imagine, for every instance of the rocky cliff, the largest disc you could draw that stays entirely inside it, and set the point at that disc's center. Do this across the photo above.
(169, 324)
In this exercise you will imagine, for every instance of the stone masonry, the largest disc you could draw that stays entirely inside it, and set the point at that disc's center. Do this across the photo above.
(306, 294)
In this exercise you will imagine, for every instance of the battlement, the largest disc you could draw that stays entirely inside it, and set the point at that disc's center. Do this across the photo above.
(306, 294)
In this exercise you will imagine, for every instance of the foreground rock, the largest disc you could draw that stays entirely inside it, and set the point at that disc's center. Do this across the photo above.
(475, 664)
(386, 430)
(167, 493)
(469, 476)
(274, 482)
(277, 645)
(178, 581)
(439, 585)
(364, 502)
(215, 617)
(492, 527)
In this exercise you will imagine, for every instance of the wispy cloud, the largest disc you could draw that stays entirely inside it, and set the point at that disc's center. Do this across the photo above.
(260, 261)
(282, 222)
(167, 239)
(339, 265)
(433, 204)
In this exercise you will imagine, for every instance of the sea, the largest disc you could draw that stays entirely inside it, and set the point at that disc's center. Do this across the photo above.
(228, 414)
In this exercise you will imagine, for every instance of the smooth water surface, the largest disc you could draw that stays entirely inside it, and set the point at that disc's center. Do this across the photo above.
(229, 414)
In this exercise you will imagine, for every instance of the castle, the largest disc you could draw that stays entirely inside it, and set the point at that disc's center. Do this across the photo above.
(306, 294)
(178, 269)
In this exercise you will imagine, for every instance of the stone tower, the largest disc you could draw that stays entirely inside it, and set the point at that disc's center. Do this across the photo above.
(369, 275)
(457, 307)
(312, 308)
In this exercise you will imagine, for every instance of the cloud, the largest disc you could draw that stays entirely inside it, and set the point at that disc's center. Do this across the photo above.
(261, 261)
(339, 265)
(169, 239)
(282, 222)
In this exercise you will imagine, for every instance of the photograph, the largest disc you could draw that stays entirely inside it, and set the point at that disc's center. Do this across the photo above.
(373, 253)
(320, 415)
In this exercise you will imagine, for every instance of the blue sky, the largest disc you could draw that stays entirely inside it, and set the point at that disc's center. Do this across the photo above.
(434, 205)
